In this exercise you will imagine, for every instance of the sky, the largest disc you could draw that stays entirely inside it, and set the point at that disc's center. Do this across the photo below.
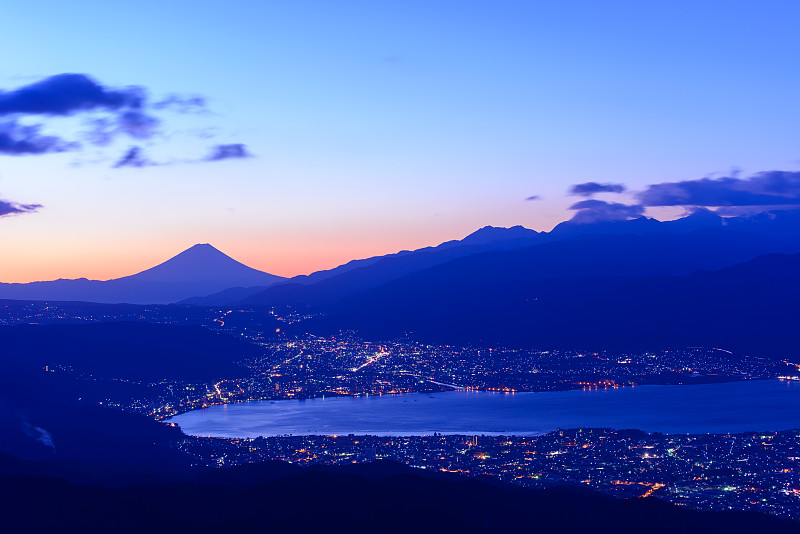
(297, 135)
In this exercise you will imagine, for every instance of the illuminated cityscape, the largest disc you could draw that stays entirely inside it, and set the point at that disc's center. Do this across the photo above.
(707, 471)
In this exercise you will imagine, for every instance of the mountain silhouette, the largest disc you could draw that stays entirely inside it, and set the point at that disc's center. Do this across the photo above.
(641, 246)
(198, 270)
(202, 275)
(748, 307)
(203, 263)
(360, 275)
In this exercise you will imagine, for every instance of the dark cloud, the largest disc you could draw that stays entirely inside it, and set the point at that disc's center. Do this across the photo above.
(592, 210)
(534, 197)
(106, 114)
(19, 140)
(232, 151)
(65, 94)
(588, 189)
(13, 208)
(134, 157)
(70, 94)
(771, 188)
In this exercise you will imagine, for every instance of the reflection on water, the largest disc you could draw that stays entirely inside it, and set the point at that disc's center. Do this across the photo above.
(716, 408)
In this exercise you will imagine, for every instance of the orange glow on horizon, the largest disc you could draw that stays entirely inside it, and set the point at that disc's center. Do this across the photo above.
(292, 251)
(280, 257)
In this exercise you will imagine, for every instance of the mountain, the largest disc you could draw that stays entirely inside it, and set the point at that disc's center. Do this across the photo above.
(483, 269)
(732, 240)
(359, 275)
(640, 225)
(202, 275)
(203, 263)
(512, 300)
(199, 270)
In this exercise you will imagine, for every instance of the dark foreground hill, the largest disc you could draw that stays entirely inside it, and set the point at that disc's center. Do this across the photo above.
(133, 351)
(368, 498)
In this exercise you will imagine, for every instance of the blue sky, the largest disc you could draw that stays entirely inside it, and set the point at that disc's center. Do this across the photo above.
(380, 126)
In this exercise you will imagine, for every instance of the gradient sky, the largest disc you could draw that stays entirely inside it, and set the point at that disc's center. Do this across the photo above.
(381, 126)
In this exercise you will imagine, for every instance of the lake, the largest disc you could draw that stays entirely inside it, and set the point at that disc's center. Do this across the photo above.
(757, 405)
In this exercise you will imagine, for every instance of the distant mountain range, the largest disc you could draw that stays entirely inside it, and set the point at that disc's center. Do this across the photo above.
(638, 247)
(638, 284)
(357, 275)
(515, 258)
(748, 307)
(740, 238)
(199, 270)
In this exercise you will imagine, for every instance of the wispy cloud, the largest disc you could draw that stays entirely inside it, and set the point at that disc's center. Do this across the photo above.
(771, 188)
(137, 124)
(18, 140)
(593, 210)
(232, 151)
(588, 189)
(8, 208)
(182, 103)
(727, 196)
(134, 157)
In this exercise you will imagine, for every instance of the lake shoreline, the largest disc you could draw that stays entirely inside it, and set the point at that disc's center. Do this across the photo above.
(765, 405)
(688, 381)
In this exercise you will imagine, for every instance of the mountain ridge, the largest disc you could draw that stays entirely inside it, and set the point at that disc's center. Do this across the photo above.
(202, 275)
(747, 307)
(737, 239)
(368, 272)
(200, 269)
